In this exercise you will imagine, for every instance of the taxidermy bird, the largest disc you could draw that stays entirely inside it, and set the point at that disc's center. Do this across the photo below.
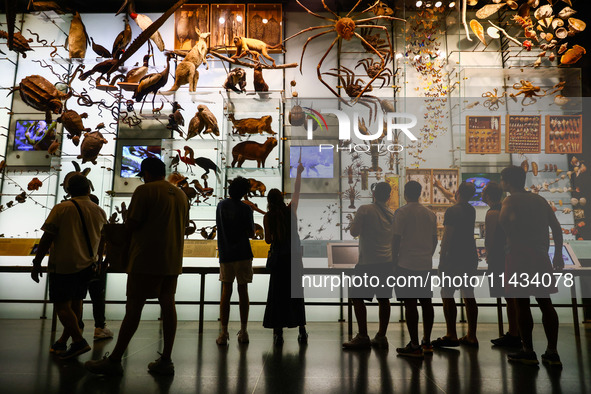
(136, 74)
(196, 126)
(207, 165)
(175, 119)
(143, 21)
(152, 83)
(103, 67)
(77, 38)
(100, 50)
(123, 39)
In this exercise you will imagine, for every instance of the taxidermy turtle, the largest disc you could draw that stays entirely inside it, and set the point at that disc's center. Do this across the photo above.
(39, 93)
(91, 146)
(77, 171)
(19, 44)
(72, 122)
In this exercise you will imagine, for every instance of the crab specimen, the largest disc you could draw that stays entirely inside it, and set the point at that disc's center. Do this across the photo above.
(529, 91)
(345, 28)
(354, 88)
(374, 40)
(374, 69)
(493, 100)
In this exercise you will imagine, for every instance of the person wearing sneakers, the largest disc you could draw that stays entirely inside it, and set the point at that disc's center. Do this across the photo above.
(525, 217)
(235, 226)
(494, 241)
(71, 233)
(157, 219)
(373, 226)
(413, 244)
(459, 259)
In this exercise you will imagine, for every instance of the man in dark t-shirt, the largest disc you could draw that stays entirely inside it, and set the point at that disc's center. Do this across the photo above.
(235, 225)
(459, 258)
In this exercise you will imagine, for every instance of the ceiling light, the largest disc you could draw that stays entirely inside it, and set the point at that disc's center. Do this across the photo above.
(452, 4)
(239, 18)
(428, 4)
(419, 3)
(265, 20)
(222, 20)
(438, 4)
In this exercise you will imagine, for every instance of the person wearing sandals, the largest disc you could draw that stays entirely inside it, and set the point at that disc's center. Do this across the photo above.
(156, 221)
(72, 231)
(284, 308)
(459, 258)
(373, 225)
(413, 245)
(494, 241)
(526, 217)
(235, 227)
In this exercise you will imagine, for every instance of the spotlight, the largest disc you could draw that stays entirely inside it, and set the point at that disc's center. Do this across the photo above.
(222, 20)
(452, 4)
(428, 4)
(438, 4)
(419, 3)
(239, 18)
(265, 21)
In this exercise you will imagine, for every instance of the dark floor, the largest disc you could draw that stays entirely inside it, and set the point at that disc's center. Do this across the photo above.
(202, 367)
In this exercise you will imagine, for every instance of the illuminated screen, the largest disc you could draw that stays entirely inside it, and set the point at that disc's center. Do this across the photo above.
(133, 155)
(480, 181)
(317, 164)
(29, 132)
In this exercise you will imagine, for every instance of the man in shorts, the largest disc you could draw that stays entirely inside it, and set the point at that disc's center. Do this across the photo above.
(157, 218)
(235, 227)
(71, 260)
(525, 217)
(459, 259)
(413, 244)
(373, 226)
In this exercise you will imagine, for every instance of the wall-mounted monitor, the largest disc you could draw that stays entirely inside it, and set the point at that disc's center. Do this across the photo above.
(133, 155)
(29, 138)
(318, 163)
(480, 180)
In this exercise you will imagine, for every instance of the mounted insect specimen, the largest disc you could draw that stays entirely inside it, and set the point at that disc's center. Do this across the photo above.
(345, 28)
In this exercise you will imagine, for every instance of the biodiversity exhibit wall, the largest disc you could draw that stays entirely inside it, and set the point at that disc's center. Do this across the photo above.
(358, 92)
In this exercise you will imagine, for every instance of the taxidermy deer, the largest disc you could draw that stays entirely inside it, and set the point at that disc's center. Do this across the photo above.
(186, 71)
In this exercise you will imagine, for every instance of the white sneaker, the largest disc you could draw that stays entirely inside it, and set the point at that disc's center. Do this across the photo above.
(102, 333)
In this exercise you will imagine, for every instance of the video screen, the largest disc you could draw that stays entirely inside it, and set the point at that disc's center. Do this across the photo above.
(317, 163)
(568, 261)
(133, 155)
(30, 132)
(480, 181)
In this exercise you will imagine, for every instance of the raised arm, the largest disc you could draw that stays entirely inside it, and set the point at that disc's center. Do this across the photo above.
(295, 197)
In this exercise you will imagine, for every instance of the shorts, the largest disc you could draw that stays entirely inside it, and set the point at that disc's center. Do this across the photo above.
(457, 268)
(524, 261)
(68, 287)
(366, 291)
(145, 286)
(414, 288)
(240, 270)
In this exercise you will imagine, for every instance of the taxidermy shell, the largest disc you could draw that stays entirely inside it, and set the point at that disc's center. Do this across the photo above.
(561, 100)
(77, 38)
(563, 48)
(573, 55)
(35, 184)
(544, 11)
(556, 23)
(534, 168)
(91, 146)
(576, 24)
(73, 124)
(39, 93)
(489, 10)
(561, 33)
(512, 4)
(472, 2)
(566, 12)
(493, 32)
(478, 30)
(525, 165)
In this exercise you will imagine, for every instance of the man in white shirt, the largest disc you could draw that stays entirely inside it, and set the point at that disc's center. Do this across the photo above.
(71, 258)
(413, 244)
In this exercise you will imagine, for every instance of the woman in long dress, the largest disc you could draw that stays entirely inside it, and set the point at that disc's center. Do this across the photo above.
(284, 262)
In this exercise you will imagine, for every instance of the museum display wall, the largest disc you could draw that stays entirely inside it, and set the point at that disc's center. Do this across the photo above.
(485, 96)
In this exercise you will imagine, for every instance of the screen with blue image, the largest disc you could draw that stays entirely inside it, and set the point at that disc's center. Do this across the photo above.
(480, 180)
(568, 261)
(133, 155)
(28, 133)
(317, 163)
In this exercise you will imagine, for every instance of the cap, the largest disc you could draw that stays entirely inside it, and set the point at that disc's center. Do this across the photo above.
(154, 166)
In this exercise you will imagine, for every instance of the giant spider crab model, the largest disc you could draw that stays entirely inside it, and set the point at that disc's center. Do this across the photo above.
(345, 28)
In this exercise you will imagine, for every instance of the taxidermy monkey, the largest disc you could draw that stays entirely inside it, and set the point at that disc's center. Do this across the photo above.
(236, 77)
(186, 71)
(259, 82)
(245, 46)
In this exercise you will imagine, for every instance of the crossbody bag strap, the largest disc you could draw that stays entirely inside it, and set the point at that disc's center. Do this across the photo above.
(88, 244)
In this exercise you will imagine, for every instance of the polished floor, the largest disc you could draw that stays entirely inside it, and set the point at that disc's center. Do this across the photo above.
(320, 367)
